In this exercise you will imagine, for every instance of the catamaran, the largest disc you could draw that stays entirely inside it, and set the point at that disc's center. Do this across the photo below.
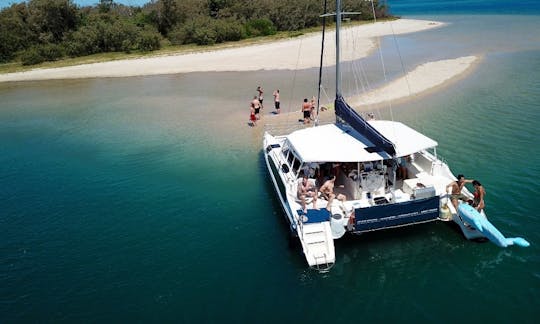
(387, 175)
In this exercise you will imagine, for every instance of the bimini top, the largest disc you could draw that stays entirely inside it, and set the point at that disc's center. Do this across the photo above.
(405, 139)
(332, 143)
(341, 143)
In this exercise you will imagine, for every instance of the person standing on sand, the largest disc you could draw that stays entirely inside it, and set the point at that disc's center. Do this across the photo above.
(276, 101)
(260, 96)
(306, 109)
(255, 103)
(313, 105)
(252, 117)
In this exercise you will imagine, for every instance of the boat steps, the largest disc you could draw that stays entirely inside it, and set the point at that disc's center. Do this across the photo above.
(314, 236)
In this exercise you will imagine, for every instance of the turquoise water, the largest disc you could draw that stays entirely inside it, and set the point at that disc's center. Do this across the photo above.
(145, 199)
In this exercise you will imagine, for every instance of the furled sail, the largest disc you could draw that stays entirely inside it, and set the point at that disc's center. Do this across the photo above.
(351, 117)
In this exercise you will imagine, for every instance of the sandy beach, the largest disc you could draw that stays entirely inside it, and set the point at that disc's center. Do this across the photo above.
(293, 53)
(423, 78)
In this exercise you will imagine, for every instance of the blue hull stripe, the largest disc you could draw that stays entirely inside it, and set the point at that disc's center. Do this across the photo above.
(392, 215)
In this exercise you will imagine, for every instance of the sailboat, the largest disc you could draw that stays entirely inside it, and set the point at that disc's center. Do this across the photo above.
(384, 175)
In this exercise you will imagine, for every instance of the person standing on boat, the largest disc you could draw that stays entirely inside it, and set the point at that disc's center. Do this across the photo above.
(260, 96)
(479, 194)
(457, 186)
(306, 109)
(305, 190)
(256, 104)
(276, 101)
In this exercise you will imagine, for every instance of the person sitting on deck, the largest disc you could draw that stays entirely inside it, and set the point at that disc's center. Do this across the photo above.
(457, 186)
(327, 191)
(306, 189)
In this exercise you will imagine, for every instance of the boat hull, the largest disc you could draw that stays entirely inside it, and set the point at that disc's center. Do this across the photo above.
(397, 214)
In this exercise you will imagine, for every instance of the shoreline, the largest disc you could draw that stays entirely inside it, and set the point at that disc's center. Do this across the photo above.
(289, 54)
(422, 80)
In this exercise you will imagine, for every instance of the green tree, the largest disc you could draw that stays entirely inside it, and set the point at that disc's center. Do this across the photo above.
(105, 5)
(51, 19)
(166, 16)
(15, 34)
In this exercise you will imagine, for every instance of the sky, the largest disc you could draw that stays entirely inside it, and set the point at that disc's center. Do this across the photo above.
(7, 3)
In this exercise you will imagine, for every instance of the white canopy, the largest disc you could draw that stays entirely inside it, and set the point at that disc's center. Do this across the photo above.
(332, 143)
(406, 140)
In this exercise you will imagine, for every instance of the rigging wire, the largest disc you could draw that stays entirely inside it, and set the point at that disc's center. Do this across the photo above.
(381, 57)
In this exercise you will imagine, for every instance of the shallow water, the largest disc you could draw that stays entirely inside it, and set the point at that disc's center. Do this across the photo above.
(146, 199)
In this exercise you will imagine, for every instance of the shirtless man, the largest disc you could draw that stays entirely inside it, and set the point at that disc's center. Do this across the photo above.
(457, 186)
(256, 104)
(260, 91)
(327, 191)
(276, 101)
(306, 109)
(306, 189)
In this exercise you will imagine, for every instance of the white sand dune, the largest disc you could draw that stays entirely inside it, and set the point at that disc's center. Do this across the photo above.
(294, 53)
(423, 78)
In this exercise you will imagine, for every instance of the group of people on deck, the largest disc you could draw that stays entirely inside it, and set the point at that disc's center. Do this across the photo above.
(257, 104)
(307, 189)
(478, 195)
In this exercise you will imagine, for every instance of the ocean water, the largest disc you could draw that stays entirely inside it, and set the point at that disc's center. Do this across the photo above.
(146, 199)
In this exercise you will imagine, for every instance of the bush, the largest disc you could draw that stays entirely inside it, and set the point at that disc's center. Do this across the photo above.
(228, 30)
(205, 36)
(260, 27)
(51, 52)
(207, 31)
(32, 56)
(148, 40)
(42, 53)
(84, 41)
(180, 35)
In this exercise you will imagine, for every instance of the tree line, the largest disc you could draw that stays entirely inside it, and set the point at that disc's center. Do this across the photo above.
(36, 31)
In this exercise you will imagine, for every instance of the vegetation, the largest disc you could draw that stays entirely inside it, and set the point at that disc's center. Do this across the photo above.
(38, 31)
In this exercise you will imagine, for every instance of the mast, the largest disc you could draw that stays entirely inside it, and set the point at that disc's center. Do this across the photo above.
(321, 65)
(338, 68)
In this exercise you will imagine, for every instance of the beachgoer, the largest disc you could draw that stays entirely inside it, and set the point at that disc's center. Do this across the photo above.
(260, 96)
(276, 101)
(306, 189)
(306, 109)
(327, 191)
(252, 117)
(479, 194)
(313, 104)
(256, 104)
(457, 186)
